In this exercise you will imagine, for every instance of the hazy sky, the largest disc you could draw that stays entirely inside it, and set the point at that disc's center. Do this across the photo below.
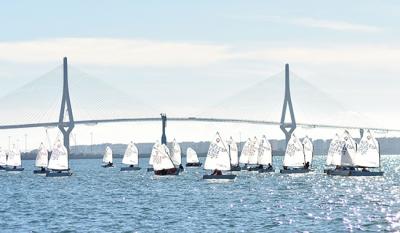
(184, 56)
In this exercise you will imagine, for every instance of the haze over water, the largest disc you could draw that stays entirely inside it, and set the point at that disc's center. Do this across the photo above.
(95, 199)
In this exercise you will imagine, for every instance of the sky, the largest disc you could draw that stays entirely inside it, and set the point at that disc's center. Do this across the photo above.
(182, 57)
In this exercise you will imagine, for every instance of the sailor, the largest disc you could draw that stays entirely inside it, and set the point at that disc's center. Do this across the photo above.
(260, 166)
(109, 164)
(131, 165)
(181, 167)
(285, 167)
(269, 166)
(42, 169)
(217, 173)
(307, 165)
(15, 167)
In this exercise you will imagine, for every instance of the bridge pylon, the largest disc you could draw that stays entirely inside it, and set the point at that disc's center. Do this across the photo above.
(287, 127)
(66, 125)
(164, 124)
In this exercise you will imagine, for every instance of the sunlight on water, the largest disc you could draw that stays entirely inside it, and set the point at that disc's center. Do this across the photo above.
(104, 200)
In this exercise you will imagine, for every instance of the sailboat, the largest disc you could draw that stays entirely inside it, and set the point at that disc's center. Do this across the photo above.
(294, 160)
(131, 158)
(3, 159)
(355, 162)
(246, 151)
(233, 154)
(334, 152)
(191, 158)
(153, 151)
(308, 151)
(14, 160)
(176, 155)
(265, 156)
(108, 158)
(253, 155)
(162, 162)
(42, 160)
(59, 161)
(218, 160)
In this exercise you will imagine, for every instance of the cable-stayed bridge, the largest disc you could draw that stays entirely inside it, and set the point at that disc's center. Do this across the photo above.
(92, 100)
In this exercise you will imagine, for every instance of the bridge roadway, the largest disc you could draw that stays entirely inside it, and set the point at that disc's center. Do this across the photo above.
(191, 119)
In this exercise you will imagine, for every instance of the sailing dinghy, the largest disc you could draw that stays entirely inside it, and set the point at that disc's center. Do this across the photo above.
(253, 156)
(191, 158)
(176, 155)
(131, 158)
(59, 161)
(3, 159)
(334, 153)
(355, 162)
(233, 154)
(162, 162)
(14, 160)
(265, 156)
(42, 160)
(245, 155)
(108, 158)
(294, 160)
(153, 151)
(218, 160)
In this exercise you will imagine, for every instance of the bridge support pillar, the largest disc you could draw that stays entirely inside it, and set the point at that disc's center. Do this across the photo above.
(164, 124)
(66, 125)
(289, 127)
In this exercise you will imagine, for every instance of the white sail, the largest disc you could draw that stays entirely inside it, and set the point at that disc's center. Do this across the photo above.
(368, 152)
(349, 152)
(246, 151)
(234, 154)
(59, 157)
(264, 152)
(14, 157)
(131, 155)
(217, 155)
(253, 156)
(42, 157)
(176, 155)
(294, 155)
(335, 151)
(191, 156)
(3, 157)
(153, 151)
(308, 149)
(161, 158)
(108, 155)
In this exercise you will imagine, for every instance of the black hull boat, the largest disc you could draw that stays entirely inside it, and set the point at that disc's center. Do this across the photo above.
(219, 177)
(347, 172)
(2, 168)
(294, 170)
(236, 168)
(245, 168)
(13, 169)
(167, 172)
(125, 169)
(266, 170)
(107, 165)
(193, 164)
(40, 171)
(150, 169)
(58, 173)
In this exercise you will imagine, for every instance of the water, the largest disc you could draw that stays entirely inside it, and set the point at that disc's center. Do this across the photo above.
(95, 199)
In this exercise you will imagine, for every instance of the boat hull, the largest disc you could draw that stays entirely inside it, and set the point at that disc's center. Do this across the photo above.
(107, 165)
(219, 177)
(353, 173)
(294, 171)
(193, 164)
(2, 168)
(11, 169)
(124, 169)
(40, 171)
(167, 172)
(236, 169)
(150, 169)
(266, 170)
(58, 174)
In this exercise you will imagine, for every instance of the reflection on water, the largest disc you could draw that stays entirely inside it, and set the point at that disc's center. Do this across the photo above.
(103, 200)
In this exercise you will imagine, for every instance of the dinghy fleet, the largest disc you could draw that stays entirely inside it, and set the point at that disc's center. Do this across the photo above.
(345, 158)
